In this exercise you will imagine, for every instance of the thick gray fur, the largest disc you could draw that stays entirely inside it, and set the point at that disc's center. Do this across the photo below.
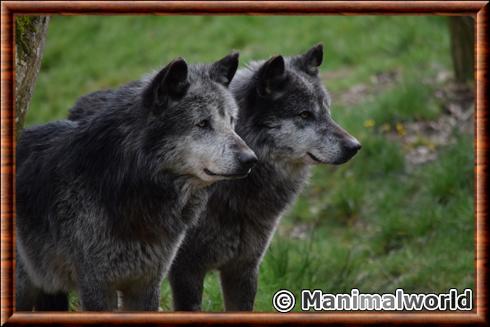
(104, 202)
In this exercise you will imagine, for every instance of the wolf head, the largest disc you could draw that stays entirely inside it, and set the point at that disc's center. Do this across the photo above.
(285, 112)
(190, 124)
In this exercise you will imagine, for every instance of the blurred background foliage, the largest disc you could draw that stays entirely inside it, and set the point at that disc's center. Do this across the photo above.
(399, 215)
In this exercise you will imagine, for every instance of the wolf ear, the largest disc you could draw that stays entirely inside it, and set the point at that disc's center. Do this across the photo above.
(312, 59)
(224, 69)
(169, 84)
(272, 77)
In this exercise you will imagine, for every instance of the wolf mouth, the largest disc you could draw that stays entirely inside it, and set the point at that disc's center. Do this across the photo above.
(314, 158)
(241, 175)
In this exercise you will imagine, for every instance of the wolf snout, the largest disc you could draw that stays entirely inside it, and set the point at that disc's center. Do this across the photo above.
(352, 146)
(247, 159)
(349, 149)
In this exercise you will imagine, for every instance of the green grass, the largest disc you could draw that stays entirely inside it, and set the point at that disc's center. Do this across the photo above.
(87, 53)
(409, 101)
(373, 223)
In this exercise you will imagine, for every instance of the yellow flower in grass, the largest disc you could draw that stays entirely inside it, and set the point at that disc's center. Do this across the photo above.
(369, 123)
(400, 129)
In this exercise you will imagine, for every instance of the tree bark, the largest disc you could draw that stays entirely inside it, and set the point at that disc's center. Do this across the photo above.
(462, 33)
(30, 34)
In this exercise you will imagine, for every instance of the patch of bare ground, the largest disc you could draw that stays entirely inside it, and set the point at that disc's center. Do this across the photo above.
(422, 140)
(361, 92)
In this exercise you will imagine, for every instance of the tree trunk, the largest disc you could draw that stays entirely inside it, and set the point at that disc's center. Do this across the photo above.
(30, 34)
(462, 33)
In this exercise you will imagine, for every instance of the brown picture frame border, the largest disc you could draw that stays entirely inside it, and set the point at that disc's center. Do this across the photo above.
(9, 9)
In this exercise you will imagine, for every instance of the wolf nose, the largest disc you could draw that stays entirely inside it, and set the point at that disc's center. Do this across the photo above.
(247, 159)
(353, 146)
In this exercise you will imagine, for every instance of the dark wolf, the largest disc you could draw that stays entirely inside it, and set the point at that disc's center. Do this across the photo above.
(284, 116)
(103, 203)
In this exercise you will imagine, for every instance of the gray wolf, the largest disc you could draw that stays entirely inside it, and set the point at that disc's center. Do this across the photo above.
(284, 116)
(104, 202)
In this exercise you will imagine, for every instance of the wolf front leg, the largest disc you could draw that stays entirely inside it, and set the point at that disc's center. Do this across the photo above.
(97, 295)
(187, 284)
(142, 296)
(52, 302)
(239, 286)
(25, 291)
(28, 296)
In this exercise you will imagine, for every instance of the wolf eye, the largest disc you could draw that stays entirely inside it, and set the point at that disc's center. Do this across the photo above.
(306, 114)
(203, 123)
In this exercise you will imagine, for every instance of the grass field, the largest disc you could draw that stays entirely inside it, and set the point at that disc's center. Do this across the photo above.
(376, 223)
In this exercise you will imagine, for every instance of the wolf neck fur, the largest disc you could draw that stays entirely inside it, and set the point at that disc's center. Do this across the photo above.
(139, 193)
(288, 176)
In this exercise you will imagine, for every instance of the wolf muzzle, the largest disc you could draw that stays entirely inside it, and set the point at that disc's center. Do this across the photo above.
(349, 145)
